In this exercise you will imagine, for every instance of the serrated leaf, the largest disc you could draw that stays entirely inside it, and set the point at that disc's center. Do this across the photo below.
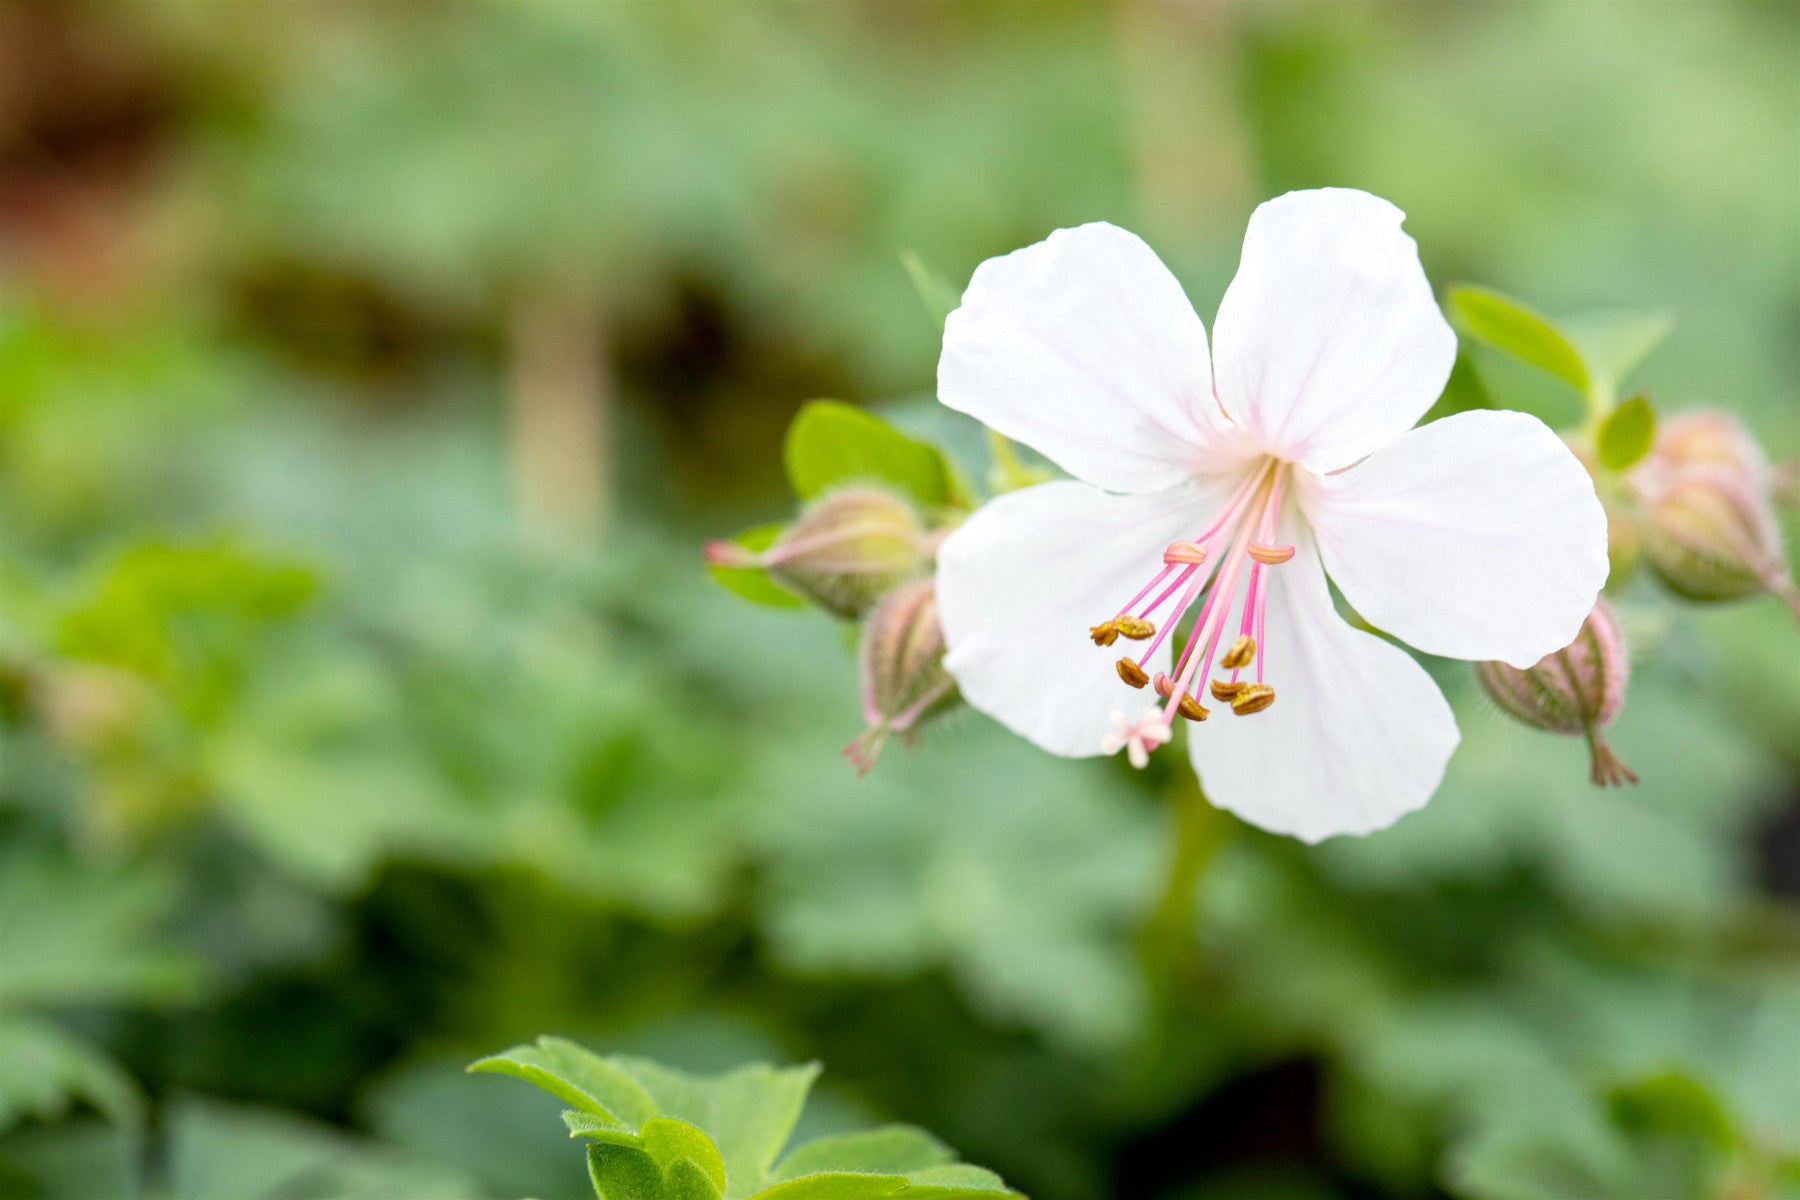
(960, 1177)
(1626, 434)
(1510, 326)
(835, 1185)
(624, 1172)
(748, 1113)
(892, 1149)
(753, 583)
(830, 443)
(576, 1076)
(686, 1180)
(937, 294)
(1614, 344)
(672, 1141)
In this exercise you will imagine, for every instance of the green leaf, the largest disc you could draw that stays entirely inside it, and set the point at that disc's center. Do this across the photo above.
(671, 1141)
(753, 583)
(577, 1076)
(836, 1185)
(938, 294)
(960, 1177)
(1613, 344)
(892, 1149)
(624, 1172)
(831, 443)
(748, 1113)
(43, 1071)
(1626, 434)
(1509, 325)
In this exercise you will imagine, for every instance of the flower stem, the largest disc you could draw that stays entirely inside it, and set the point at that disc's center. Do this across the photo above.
(1170, 936)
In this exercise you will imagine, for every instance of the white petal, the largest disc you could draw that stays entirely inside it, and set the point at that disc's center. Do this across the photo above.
(1328, 343)
(1020, 582)
(1477, 536)
(1358, 734)
(1085, 348)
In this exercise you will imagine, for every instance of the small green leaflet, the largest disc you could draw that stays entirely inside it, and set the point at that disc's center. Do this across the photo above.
(831, 442)
(1626, 434)
(1510, 326)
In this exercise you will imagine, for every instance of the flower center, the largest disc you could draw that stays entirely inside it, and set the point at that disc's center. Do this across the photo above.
(1205, 571)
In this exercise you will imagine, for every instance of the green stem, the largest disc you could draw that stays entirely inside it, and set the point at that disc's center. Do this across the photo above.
(1171, 933)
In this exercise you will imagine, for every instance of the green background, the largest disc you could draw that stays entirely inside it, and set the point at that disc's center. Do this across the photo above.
(356, 720)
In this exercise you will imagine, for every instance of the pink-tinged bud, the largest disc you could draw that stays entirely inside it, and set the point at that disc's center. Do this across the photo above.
(902, 664)
(1709, 529)
(847, 549)
(1578, 690)
(1706, 438)
(1711, 536)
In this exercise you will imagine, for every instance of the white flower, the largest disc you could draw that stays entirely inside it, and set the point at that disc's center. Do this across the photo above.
(1229, 488)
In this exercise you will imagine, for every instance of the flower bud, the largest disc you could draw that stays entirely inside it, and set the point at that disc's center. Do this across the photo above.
(1577, 690)
(902, 665)
(1711, 536)
(844, 552)
(1709, 527)
(1705, 438)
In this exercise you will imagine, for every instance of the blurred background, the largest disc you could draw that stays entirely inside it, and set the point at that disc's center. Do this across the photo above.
(370, 377)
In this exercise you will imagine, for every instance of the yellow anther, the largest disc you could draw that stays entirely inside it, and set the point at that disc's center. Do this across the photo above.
(1253, 699)
(1227, 692)
(1131, 673)
(1241, 653)
(1105, 633)
(1270, 555)
(1190, 708)
(1191, 553)
(1135, 628)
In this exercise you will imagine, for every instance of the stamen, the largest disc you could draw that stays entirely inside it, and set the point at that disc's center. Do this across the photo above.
(1253, 699)
(1241, 652)
(1190, 708)
(1135, 628)
(1246, 549)
(1160, 576)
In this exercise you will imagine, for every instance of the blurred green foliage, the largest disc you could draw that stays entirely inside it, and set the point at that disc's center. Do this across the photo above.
(322, 773)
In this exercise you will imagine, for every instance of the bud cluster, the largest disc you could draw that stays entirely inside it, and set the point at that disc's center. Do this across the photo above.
(863, 552)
